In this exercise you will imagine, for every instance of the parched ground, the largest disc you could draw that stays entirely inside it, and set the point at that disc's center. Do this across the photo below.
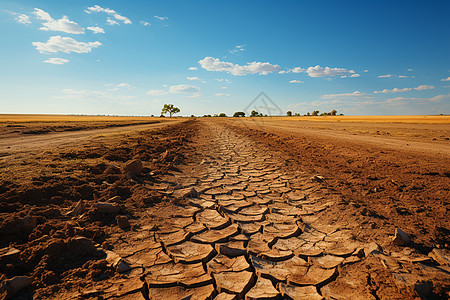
(231, 209)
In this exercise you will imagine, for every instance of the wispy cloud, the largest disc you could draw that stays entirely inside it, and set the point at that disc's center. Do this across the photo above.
(223, 80)
(111, 22)
(21, 18)
(65, 44)
(237, 49)
(183, 88)
(446, 79)
(296, 81)
(214, 64)
(222, 95)
(145, 23)
(192, 68)
(393, 76)
(354, 95)
(160, 18)
(157, 92)
(56, 61)
(397, 90)
(111, 12)
(93, 94)
(95, 29)
(63, 24)
(195, 78)
(404, 100)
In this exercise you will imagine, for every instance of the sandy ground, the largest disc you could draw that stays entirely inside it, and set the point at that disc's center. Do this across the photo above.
(228, 209)
(13, 146)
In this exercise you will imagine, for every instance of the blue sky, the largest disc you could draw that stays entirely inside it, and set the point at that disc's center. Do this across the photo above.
(206, 57)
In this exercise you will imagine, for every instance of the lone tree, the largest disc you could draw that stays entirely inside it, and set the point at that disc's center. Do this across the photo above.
(254, 113)
(239, 114)
(169, 108)
(222, 115)
(315, 113)
(333, 112)
(289, 113)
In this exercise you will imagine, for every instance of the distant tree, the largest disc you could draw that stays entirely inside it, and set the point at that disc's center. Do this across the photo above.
(308, 114)
(261, 115)
(254, 113)
(239, 114)
(192, 116)
(289, 113)
(215, 115)
(333, 112)
(297, 114)
(341, 114)
(169, 108)
(222, 115)
(315, 113)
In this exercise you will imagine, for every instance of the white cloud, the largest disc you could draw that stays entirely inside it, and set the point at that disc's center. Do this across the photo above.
(296, 81)
(22, 18)
(65, 44)
(298, 70)
(145, 23)
(111, 12)
(157, 92)
(355, 75)
(63, 24)
(224, 87)
(285, 71)
(220, 94)
(56, 61)
(111, 22)
(237, 49)
(410, 70)
(365, 71)
(96, 29)
(353, 95)
(446, 79)
(193, 68)
(183, 88)
(214, 64)
(160, 18)
(318, 71)
(397, 90)
(402, 76)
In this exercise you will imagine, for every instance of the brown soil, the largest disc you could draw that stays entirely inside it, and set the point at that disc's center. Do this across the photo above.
(50, 211)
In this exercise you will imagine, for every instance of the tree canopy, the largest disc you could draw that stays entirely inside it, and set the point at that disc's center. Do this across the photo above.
(239, 114)
(169, 108)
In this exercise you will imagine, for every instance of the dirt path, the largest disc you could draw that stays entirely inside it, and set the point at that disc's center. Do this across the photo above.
(253, 230)
(351, 133)
(14, 146)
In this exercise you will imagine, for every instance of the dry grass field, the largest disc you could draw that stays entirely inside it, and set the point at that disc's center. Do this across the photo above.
(371, 119)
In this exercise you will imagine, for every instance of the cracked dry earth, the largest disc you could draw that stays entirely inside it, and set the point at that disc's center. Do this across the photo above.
(245, 228)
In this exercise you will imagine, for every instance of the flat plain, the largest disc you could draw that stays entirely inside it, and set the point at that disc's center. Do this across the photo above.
(225, 208)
